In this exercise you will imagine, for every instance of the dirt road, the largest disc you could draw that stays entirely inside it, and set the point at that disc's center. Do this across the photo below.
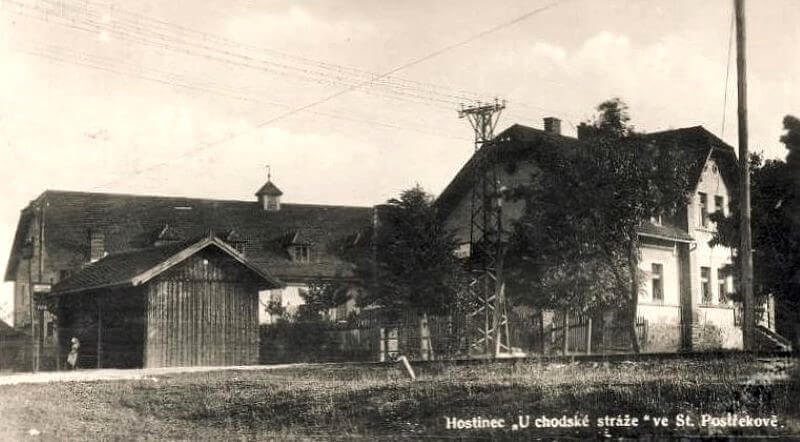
(112, 374)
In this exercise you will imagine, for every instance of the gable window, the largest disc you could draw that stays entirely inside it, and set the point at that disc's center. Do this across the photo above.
(719, 204)
(705, 284)
(657, 275)
(703, 209)
(302, 253)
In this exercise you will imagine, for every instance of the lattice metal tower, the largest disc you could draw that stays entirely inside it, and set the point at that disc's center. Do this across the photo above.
(487, 323)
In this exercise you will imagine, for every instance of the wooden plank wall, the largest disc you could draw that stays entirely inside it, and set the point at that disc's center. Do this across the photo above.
(202, 312)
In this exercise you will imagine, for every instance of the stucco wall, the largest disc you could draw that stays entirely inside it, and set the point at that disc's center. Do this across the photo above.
(459, 219)
(713, 320)
(289, 296)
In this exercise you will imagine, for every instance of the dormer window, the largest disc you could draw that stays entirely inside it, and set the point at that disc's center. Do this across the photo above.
(302, 253)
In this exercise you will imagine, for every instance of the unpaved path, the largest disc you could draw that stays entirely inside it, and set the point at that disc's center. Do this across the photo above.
(113, 374)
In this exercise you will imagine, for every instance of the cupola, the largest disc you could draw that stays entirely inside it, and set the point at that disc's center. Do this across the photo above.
(269, 196)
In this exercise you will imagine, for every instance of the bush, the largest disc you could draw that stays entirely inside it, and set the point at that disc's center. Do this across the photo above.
(287, 341)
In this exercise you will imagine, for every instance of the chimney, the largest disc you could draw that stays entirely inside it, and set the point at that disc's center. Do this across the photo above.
(586, 131)
(552, 125)
(97, 246)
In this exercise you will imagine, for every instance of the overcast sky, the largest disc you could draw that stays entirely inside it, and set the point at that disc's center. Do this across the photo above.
(109, 98)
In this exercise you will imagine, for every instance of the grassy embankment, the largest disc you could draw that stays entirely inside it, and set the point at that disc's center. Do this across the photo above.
(372, 402)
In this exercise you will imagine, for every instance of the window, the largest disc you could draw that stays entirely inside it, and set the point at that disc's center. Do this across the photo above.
(723, 286)
(657, 274)
(656, 220)
(705, 284)
(272, 203)
(719, 204)
(302, 253)
(50, 328)
(703, 209)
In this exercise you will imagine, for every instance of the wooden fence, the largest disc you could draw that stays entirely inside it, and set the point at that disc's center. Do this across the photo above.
(587, 335)
(373, 337)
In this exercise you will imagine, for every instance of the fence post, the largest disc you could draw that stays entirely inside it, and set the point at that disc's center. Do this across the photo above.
(589, 337)
(382, 354)
(425, 338)
(392, 343)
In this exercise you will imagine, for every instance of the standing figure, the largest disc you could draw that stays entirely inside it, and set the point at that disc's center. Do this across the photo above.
(72, 358)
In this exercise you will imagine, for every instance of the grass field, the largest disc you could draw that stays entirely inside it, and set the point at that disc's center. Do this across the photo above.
(376, 402)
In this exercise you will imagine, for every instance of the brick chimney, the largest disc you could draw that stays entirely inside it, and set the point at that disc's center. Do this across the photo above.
(586, 131)
(552, 125)
(97, 245)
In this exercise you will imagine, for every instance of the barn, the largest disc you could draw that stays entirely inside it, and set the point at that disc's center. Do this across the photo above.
(193, 303)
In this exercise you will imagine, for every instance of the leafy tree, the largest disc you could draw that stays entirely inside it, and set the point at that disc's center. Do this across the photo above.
(775, 225)
(613, 118)
(577, 244)
(416, 268)
(407, 264)
(320, 297)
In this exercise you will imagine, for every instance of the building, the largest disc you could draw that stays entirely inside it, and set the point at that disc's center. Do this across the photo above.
(685, 296)
(189, 303)
(62, 236)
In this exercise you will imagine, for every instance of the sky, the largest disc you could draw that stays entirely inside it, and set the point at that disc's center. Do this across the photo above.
(194, 99)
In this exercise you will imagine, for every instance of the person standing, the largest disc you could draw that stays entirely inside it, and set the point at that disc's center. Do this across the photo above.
(72, 357)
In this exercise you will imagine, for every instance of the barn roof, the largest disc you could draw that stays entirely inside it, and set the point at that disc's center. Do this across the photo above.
(133, 222)
(136, 267)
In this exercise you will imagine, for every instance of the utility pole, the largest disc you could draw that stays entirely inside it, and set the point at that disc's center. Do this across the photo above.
(487, 323)
(746, 247)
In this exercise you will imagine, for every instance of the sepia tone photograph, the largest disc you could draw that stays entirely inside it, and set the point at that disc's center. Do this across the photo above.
(408, 220)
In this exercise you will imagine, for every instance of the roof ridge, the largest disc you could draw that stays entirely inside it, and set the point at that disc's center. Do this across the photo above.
(192, 198)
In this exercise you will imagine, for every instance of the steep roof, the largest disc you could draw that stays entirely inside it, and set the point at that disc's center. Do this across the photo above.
(136, 267)
(515, 142)
(134, 221)
(697, 144)
(269, 189)
(520, 142)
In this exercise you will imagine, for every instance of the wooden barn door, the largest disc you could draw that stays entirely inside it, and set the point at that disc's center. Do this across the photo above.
(202, 312)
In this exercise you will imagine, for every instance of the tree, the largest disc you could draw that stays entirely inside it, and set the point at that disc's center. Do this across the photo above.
(320, 297)
(577, 245)
(775, 221)
(409, 265)
(613, 118)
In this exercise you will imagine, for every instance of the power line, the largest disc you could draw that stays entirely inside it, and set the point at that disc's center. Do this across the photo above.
(416, 61)
(136, 32)
(727, 74)
(69, 56)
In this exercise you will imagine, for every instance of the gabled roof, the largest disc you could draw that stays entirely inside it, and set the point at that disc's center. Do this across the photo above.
(136, 267)
(515, 142)
(269, 189)
(135, 221)
(523, 143)
(697, 145)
